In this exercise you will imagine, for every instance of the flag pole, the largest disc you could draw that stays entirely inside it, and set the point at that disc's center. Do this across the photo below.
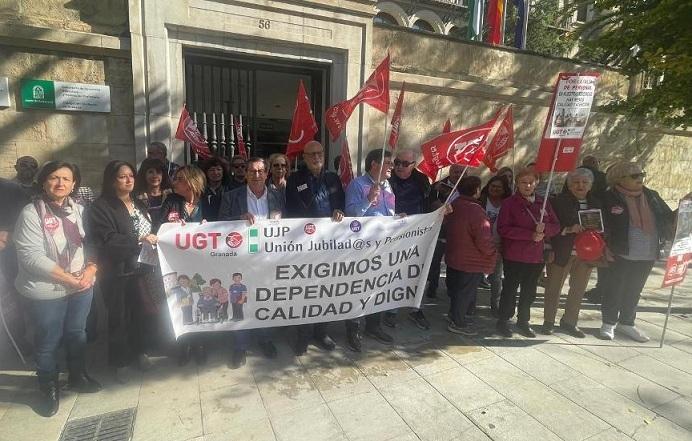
(384, 146)
(456, 184)
(550, 179)
(665, 323)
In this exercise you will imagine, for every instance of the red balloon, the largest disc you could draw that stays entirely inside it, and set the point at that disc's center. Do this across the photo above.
(589, 246)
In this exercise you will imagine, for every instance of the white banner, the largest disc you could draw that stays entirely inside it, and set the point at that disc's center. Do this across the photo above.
(222, 276)
(573, 98)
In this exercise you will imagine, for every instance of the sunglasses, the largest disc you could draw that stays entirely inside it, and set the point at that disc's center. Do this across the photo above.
(398, 163)
(637, 175)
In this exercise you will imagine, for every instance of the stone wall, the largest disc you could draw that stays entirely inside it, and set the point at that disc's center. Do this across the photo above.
(51, 40)
(467, 82)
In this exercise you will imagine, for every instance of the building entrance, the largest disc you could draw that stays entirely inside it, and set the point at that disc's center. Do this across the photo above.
(259, 91)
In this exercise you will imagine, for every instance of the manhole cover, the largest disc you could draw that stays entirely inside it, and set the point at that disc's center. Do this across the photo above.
(111, 426)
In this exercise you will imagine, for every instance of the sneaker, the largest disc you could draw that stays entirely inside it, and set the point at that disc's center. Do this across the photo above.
(144, 363)
(547, 328)
(238, 359)
(484, 284)
(389, 319)
(572, 330)
(502, 328)
(379, 335)
(419, 319)
(632, 332)
(607, 331)
(467, 329)
(525, 330)
(325, 343)
(354, 341)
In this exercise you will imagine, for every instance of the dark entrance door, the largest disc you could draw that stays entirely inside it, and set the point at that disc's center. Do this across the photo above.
(261, 90)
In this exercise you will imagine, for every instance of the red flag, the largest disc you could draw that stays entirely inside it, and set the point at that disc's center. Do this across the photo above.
(502, 142)
(396, 119)
(494, 19)
(304, 126)
(375, 92)
(345, 168)
(239, 139)
(564, 128)
(447, 127)
(463, 147)
(187, 131)
(428, 169)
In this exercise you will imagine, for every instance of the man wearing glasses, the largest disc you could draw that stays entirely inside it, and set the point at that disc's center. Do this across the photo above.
(252, 202)
(411, 190)
(314, 192)
(238, 171)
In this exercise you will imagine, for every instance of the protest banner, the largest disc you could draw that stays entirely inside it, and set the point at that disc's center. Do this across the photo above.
(293, 271)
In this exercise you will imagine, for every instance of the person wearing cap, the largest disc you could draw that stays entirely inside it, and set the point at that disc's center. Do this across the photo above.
(575, 197)
(637, 223)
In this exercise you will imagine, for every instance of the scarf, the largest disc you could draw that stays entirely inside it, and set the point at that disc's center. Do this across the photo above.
(639, 211)
(49, 213)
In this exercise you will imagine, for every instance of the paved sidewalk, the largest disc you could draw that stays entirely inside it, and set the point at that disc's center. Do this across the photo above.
(430, 386)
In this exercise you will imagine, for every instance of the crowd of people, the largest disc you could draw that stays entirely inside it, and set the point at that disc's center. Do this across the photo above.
(59, 243)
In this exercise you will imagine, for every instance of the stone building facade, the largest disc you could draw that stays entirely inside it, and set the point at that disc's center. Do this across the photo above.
(245, 57)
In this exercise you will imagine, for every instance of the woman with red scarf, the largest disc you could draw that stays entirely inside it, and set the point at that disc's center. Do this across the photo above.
(637, 223)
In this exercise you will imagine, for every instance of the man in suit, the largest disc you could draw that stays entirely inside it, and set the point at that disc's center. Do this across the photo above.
(252, 202)
(314, 192)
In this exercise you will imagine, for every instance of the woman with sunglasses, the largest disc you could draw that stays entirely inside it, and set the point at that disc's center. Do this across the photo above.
(278, 173)
(637, 223)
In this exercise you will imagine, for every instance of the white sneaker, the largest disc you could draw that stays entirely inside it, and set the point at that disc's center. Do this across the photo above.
(607, 331)
(632, 332)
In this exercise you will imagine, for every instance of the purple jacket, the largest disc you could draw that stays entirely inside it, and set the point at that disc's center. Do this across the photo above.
(516, 226)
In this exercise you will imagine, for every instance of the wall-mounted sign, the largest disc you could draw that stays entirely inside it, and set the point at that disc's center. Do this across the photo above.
(58, 95)
(4, 92)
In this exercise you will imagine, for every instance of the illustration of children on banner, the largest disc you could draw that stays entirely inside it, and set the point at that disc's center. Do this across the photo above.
(238, 296)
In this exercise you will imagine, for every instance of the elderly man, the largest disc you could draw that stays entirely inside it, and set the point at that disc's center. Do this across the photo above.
(371, 195)
(252, 202)
(158, 150)
(314, 192)
(411, 190)
(566, 263)
(438, 195)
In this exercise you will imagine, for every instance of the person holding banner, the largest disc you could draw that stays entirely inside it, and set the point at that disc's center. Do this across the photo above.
(365, 196)
(523, 238)
(314, 192)
(252, 202)
(567, 205)
(637, 222)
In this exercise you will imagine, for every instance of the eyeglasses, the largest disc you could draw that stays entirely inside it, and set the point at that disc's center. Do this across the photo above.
(279, 165)
(398, 163)
(313, 154)
(638, 175)
(257, 172)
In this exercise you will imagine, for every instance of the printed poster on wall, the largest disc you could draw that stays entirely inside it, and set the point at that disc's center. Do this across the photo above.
(222, 276)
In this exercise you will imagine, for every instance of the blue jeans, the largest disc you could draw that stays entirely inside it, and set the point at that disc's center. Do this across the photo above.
(57, 319)
(462, 288)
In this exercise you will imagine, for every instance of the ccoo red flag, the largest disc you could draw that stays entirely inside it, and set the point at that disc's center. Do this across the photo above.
(463, 147)
(375, 92)
(188, 131)
(502, 142)
(239, 138)
(396, 119)
(304, 126)
(345, 167)
(428, 170)
(447, 127)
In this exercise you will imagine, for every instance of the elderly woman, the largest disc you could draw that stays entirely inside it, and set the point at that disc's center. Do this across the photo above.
(56, 275)
(637, 223)
(278, 172)
(523, 237)
(117, 225)
(567, 205)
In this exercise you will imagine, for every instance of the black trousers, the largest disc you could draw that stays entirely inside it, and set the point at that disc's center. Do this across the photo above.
(306, 332)
(372, 322)
(434, 273)
(522, 277)
(126, 336)
(624, 280)
(462, 288)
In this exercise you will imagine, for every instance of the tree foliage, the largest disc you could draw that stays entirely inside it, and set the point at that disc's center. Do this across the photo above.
(545, 34)
(650, 38)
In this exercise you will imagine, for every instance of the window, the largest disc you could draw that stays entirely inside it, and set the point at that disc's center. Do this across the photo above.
(422, 25)
(384, 18)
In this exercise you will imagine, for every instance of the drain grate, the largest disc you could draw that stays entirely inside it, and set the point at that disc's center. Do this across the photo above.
(111, 426)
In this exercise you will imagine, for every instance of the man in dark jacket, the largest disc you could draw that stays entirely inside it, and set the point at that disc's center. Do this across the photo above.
(251, 202)
(412, 191)
(314, 192)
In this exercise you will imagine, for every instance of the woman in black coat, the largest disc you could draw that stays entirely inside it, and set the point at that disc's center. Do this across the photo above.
(117, 225)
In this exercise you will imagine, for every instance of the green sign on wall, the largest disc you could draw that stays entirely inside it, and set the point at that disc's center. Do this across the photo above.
(37, 94)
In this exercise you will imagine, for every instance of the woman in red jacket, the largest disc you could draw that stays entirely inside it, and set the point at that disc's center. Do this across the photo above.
(523, 234)
(470, 252)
